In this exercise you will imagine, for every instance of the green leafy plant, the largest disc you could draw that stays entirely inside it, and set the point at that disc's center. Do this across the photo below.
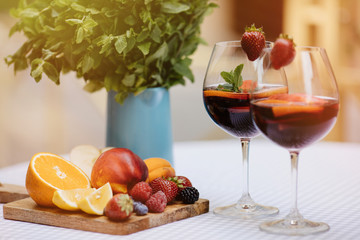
(233, 79)
(123, 45)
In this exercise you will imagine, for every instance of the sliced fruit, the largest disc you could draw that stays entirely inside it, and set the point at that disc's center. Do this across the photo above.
(84, 156)
(273, 101)
(248, 85)
(49, 172)
(96, 201)
(267, 92)
(279, 111)
(105, 149)
(159, 167)
(156, 162)
(298, 97)
(219, 93)
(67, 199)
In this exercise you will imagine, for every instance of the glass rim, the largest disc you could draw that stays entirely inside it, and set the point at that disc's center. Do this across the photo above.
(301, 48)
(235, 43)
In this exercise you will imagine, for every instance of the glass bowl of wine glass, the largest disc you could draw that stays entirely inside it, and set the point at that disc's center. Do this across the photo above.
(296, 119)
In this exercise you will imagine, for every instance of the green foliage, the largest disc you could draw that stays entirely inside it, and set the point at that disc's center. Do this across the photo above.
(233, 79)
(122, 45)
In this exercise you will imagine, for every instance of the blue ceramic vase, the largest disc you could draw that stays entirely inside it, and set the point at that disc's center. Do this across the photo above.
(142, 124)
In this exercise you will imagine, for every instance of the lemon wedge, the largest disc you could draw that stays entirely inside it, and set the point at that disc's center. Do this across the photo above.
(97, 200)
(67, 199)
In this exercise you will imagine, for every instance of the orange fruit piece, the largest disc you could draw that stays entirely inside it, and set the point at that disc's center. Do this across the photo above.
(281, 107)
(247, 85)
(49, 172)
(267, 92)
(159, 167)
(219, 93)
(279, 111)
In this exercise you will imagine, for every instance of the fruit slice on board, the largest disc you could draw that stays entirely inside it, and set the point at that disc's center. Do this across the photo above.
(84, 156)
(159, 167)
(49, 172)
(96, 201)
(68, 199)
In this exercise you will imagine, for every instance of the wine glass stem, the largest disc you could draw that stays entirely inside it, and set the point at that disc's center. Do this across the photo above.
(245, 201)
(294, 216)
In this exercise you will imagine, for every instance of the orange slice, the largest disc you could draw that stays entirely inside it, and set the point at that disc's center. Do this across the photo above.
(219, 93)
(279, 111)
(267, 92)
(281, 107)
(272, 101)
(49, 172)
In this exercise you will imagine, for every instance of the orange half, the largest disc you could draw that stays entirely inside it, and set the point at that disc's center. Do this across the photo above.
(49, 172)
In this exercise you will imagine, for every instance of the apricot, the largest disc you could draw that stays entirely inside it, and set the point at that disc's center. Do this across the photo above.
(159, 167)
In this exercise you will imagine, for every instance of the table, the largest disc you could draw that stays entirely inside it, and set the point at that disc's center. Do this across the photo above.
(329, 191)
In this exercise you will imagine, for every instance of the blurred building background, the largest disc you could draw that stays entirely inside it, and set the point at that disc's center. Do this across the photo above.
(37, 117)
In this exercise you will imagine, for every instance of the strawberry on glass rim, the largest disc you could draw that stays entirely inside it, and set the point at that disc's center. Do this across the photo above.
(283, 52)
(253, 41)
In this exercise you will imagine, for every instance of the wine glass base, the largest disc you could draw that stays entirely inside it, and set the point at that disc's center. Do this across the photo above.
(285, 227)
(245, 211)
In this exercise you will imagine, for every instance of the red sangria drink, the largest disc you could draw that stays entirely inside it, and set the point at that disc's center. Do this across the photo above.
(298, 118)
(229, 81)
(295, 121)
(231, 110)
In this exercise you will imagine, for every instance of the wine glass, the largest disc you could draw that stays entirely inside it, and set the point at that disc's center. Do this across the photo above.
(296, 119)
(227, 100)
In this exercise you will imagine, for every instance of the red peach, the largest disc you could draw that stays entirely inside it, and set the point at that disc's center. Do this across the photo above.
(121, 168)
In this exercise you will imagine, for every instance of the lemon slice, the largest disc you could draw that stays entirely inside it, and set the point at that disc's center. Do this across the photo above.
(96, 201)
(67, 199)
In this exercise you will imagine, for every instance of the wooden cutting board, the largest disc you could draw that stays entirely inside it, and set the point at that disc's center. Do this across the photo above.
(10, 192)
(27, 210)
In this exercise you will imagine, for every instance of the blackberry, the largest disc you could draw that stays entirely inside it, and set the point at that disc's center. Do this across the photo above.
(140, 209)
(189, 195)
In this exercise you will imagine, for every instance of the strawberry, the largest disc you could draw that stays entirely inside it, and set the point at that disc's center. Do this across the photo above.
(157, 202)
(283, 51)
(169, 188)
(141, 192)
(119, 207)
(252, 42)
(181, 182)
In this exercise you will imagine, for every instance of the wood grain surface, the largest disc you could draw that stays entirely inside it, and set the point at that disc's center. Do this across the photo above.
(27, 210)
(10, 192)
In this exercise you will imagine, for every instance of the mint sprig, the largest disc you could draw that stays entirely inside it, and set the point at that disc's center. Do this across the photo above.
(233, 78)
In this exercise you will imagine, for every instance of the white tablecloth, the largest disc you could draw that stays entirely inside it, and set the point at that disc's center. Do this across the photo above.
(329, 191)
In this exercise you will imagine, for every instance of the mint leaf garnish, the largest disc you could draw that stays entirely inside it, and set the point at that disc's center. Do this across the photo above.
(233, 78)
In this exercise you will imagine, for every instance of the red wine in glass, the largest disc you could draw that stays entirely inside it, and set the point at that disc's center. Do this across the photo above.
(295, 125)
